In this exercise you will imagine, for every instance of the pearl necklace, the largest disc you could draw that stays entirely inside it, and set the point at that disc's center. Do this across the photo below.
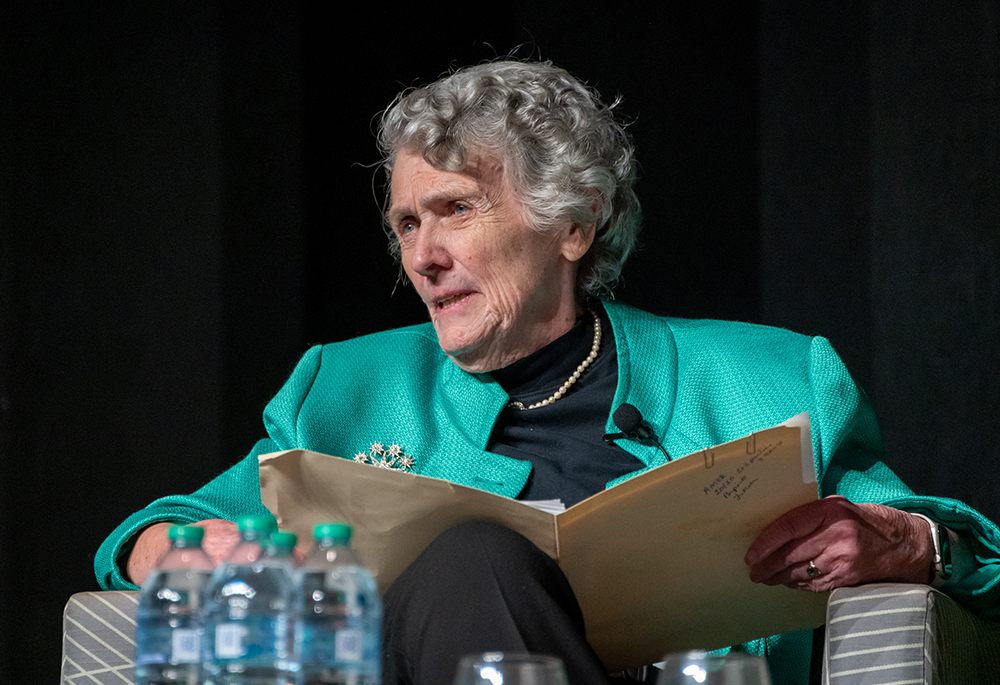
(564, 388)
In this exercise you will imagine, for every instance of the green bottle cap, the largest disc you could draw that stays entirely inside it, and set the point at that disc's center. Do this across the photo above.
(284, 538)
(253, 527)
(190, 533)
(337, 531)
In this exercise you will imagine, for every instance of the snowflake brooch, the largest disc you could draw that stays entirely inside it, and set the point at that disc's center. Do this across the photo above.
(391, 457)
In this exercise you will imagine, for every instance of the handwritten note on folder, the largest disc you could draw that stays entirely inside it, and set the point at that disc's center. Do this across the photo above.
(656, 562)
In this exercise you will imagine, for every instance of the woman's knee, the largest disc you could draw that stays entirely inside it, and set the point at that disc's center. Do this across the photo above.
(476, 553)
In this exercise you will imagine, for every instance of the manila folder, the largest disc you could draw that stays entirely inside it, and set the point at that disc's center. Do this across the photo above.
(656, 562)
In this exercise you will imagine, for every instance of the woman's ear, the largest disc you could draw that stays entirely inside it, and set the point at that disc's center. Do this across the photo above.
(577, 241)
(580, 237)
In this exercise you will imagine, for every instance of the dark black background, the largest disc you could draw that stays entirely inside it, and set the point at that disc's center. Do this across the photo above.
(189, 199)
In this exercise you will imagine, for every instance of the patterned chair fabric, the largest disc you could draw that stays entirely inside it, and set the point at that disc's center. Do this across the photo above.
(892, 634)
(878, 634)
(99, 638)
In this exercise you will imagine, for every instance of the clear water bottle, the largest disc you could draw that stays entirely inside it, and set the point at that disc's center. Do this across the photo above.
(339, 623)
(249, 637)
(281, 545)
(168, 634)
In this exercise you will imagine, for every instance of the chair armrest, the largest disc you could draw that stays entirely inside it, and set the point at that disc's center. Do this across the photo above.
(900, 633)
(99, 638)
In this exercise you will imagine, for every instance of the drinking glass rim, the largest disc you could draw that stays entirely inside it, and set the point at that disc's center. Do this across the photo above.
(512, 658)
(703, 655)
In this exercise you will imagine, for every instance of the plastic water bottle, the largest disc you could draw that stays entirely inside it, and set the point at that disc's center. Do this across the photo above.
(168, 634)
(338, 632)
(281, 545)
(249, 636)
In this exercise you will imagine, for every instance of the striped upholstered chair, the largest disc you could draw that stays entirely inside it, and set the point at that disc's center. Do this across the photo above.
(883, 633)
(889, 633)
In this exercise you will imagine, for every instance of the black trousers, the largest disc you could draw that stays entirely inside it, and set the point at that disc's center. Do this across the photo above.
(481, 587)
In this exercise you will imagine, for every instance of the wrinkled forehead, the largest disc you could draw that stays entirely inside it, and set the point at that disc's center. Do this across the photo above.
(484, 167)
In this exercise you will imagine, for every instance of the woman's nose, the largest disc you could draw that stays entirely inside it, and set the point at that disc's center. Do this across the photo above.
(430, 254)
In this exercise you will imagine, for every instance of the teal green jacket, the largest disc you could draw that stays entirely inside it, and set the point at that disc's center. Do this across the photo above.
(699, 383)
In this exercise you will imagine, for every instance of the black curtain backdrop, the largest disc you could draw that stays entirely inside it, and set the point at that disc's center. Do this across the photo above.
(190, 198)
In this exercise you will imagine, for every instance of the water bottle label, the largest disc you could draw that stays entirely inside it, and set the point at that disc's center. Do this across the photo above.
(350, 646)
(151, 658)
(186, 646)
(229, 640)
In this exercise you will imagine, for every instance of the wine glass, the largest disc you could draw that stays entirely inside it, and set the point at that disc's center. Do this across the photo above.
(506, 668)
(702, 668)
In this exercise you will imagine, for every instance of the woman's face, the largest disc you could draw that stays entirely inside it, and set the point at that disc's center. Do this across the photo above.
(496, 289)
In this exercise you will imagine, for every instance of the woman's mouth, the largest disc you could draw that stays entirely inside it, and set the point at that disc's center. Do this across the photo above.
(452, 300)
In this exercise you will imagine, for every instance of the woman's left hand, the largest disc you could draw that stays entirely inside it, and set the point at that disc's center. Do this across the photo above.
(846, 543)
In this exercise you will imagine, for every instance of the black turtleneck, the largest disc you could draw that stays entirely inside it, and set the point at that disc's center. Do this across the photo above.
(564, 440)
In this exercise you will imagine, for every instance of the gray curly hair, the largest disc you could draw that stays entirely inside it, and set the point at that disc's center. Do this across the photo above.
(562, 150)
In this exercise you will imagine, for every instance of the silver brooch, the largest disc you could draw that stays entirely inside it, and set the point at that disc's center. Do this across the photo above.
(391, 457)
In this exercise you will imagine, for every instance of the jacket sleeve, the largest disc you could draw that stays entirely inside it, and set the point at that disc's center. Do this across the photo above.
(233, 494)
(848, 449)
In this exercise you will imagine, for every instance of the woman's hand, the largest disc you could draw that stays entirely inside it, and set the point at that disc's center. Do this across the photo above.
(220, 538)
(152, 543)
(847, 543)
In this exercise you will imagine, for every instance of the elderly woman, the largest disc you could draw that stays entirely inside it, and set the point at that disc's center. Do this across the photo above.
(512, 211)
